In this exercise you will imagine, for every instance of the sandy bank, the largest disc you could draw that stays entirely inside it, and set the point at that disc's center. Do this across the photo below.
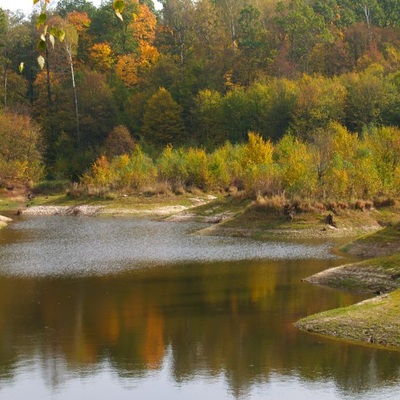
(62, 210)
(4, 221)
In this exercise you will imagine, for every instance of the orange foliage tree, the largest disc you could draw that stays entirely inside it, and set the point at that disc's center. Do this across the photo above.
(130, 66)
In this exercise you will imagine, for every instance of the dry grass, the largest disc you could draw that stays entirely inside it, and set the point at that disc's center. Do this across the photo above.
(157, 188)
(384, 202)
(280, 203)
(363, 205)
(276, 202)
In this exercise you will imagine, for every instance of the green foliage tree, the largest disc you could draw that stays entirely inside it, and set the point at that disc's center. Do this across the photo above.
(98, 111)
(178, 21)
(14, 40)
(254, 45)
(208, 117)
(236, 115)
(272, 105)
(64, 7)
(210, 55)
(319, 102)
(162, 121)
(384, 145)
(304, 29)
(106, 27)
(370, 96)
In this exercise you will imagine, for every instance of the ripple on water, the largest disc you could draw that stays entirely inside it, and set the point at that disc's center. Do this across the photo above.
(78, 246)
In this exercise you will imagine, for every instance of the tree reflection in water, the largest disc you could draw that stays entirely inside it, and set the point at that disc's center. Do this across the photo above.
(187, 322)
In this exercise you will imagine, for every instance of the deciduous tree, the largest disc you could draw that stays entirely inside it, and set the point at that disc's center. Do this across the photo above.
(21, 149)
(162, 122)
(119, 141)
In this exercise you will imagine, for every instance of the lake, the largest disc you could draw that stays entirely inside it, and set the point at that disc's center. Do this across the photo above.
(122, 308)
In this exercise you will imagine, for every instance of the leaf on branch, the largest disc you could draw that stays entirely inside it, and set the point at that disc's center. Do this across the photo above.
(21, 67)
(61, 35)
(35, 2)
(57, 33)
(52, 40)
(118, 14)
(41, 45)
(41, 61)
(41, 20)
(119, 6)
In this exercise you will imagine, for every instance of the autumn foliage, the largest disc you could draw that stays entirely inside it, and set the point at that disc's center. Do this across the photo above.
(344, 167)
(20, 151)
(295, 97)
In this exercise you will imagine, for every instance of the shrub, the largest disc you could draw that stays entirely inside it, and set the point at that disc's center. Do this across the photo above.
(20, 150)
(119, 141)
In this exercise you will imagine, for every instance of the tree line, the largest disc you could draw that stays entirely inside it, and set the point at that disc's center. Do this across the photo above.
(333, 165)
(193, 75)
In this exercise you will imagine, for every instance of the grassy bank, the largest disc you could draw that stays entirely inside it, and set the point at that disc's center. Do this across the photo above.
(231, 213)
(382, 243)
(375, 321)
(276, 217)
(378, 275)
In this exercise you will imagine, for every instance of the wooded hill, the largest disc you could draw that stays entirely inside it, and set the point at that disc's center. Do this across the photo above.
(316, 74)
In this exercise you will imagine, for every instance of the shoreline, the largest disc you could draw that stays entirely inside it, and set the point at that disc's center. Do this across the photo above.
(238, 218)
(375, 321)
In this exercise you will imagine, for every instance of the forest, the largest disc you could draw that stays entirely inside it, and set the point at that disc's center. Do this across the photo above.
(293, 97)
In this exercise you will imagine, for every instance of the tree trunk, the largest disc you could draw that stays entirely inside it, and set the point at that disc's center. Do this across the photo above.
(69, 51)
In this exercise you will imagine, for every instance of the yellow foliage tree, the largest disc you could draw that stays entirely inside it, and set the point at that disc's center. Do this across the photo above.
(127, 70)
(257, 150)
(101, 56)
(349, 171)
(20, 150)
(296, 160)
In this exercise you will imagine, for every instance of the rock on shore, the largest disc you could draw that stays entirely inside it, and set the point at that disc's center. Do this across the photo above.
(62, 210)
(5, 219)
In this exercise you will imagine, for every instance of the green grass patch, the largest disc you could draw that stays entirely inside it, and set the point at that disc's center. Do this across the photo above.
(375, 322)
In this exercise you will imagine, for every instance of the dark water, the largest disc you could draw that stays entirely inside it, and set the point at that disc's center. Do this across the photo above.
(124, 308)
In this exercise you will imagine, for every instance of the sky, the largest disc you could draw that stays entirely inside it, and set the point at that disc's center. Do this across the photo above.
(26, 6)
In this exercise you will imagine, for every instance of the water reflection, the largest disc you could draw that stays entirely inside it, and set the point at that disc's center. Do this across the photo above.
(165, 329)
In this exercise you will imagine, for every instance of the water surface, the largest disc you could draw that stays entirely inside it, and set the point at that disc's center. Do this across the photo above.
(123, 308)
